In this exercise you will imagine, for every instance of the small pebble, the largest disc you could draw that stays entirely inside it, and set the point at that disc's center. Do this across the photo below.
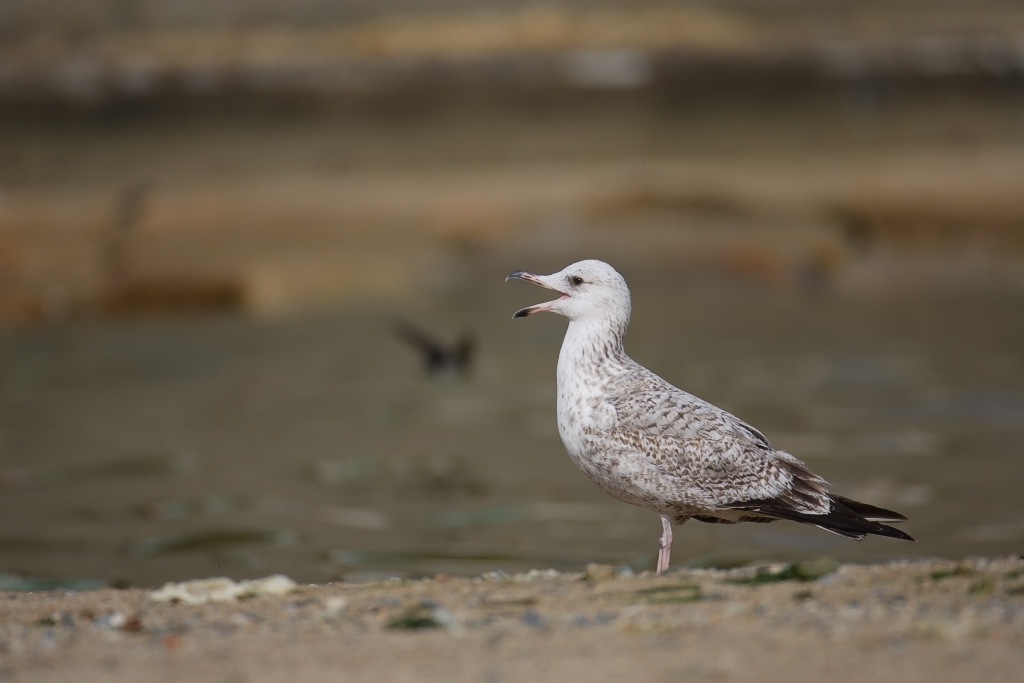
(422, 615)
(538, 575)
(334, 606)
(599, 572)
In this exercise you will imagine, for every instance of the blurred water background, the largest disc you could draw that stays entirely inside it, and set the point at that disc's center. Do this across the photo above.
(219, 222)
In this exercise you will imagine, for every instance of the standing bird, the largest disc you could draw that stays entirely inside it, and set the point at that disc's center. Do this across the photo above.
(648, 443)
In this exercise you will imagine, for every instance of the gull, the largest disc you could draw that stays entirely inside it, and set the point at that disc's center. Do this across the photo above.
(651, 444)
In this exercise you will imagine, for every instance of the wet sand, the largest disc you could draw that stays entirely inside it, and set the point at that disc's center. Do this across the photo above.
(906, 621)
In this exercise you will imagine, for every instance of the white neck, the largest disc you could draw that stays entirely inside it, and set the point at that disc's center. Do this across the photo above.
(591, 349)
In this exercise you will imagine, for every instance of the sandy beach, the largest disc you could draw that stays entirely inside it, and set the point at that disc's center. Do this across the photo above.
(906, 621)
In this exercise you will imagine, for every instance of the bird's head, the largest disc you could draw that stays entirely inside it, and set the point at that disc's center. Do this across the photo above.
(591, 290)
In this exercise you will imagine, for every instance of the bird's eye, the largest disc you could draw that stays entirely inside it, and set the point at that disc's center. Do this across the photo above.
(576, 281)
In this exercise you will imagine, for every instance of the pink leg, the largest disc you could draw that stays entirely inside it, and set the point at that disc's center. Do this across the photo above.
(664, 544)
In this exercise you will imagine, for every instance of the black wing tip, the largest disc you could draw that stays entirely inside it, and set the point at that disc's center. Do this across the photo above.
(846, 518)
(855, 528)
(869, 512)
(893, 532)
(862, 519)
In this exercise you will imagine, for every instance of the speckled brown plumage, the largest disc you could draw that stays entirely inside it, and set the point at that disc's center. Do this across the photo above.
(648, 443)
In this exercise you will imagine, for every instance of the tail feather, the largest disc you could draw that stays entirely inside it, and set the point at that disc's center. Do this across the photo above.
(869, 512)
(846, 517)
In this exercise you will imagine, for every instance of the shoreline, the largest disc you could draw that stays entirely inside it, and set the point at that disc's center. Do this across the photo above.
(906, 620)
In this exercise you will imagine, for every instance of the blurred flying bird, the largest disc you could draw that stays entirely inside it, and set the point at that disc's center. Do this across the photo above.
(438, 359)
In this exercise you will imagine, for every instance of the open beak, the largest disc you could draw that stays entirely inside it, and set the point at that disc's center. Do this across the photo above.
(537, 280)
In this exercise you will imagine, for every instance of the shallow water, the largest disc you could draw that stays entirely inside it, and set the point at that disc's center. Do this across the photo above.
(142, 451)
